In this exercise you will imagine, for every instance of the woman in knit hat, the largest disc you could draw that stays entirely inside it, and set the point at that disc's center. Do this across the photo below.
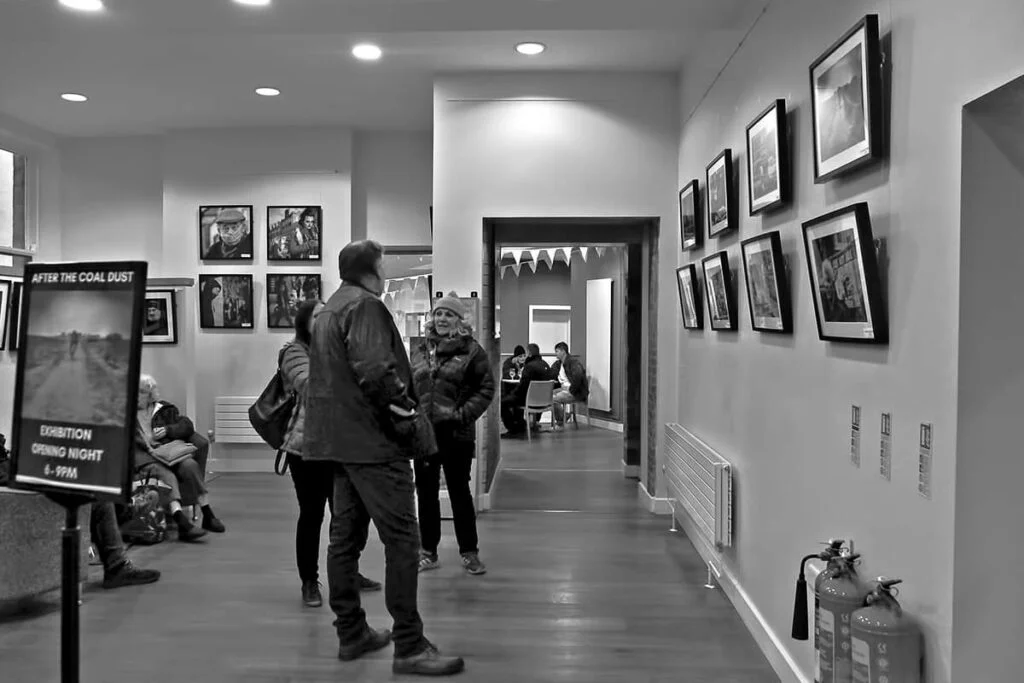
(453, 380)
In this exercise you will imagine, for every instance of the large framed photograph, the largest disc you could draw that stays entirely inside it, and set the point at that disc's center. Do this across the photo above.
(225, 233)
(768, 159)
(721, 194)
(225, 301)
(294, 233)
(160, 325)
(768, 295)
(284, 294)
(689, 297)
(689, 215)
(845, 285)
(718, 286)
(846, 102)
(5, 299)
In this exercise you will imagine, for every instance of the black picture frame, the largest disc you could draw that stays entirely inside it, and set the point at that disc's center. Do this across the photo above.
(281, 306)
(290, 237)
(843, 271)
(690, 236)
(6, 286)
(162, 329)
(718, 288)
(226, 301)
(768, 163)
(768, 294)
(14, 317)
(212, 247)
(719, 179)
(690, 299)
(849, 136)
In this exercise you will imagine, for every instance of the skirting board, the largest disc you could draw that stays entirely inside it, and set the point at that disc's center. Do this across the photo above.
(779, 658)
(657, 506)
(599, 423)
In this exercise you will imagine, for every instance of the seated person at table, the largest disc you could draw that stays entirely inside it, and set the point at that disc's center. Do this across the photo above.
(513, 367)
(535, 369)
(571, 376)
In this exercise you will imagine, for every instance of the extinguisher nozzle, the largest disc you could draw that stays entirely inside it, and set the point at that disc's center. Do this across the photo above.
(800, 603)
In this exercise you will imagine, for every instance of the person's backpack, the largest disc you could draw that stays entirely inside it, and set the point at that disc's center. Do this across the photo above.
(147, 521)
(272, 411)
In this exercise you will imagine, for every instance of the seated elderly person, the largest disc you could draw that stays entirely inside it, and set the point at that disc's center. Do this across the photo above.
(159, 424)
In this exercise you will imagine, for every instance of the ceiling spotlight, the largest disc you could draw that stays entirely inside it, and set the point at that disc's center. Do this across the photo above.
(368, 52)
(268, 92)
(73, 97)
(83, 5)
(530, 48)
(254, 3)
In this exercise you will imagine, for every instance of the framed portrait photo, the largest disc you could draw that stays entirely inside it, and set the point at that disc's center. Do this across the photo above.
(846, 102)
(225, 233)
(225, 301)
(284, 294)
(721, 194)
(718, 287)
(294, 233)
(689, 215)
(845, 285)
(768, 295)
(160, 321)
(689, 297)
(768, 159)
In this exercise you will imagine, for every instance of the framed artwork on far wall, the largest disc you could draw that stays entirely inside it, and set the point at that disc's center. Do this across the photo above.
(225, 301)
(284, 294)
(718, 287)
(846, 102)
(689, 297)
(5, 298)
(294, 233)
(845, 285)
(689, 215)
(225, 233)
(721, 186)
(768, 296)
(768, 159)
(160, 323)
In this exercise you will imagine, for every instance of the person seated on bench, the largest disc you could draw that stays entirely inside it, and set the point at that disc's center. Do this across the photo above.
(118, 570)
(571, 376)
(160, 423)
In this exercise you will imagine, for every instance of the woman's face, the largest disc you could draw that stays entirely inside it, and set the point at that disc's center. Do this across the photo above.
(312, 318)
(147, 395)
(445, 321)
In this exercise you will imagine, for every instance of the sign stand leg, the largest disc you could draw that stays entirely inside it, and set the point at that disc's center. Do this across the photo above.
(71, 546)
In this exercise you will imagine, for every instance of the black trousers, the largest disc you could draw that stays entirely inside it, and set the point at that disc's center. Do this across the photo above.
(512, 415)
(456, 459)
(384, 493)
(107, 535)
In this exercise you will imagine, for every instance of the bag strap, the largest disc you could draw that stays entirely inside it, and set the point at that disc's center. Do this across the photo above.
(279, 468)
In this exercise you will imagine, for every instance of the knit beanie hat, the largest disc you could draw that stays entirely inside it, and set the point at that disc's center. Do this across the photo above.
(451, 303)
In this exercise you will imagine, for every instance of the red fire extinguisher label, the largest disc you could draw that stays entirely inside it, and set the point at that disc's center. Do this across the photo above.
(826, 646)
(861, 661)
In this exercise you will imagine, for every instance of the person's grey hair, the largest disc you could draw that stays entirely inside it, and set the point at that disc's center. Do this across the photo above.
(146, 384)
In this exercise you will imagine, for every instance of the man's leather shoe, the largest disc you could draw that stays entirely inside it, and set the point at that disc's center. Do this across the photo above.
(370, 642)
(429, 662)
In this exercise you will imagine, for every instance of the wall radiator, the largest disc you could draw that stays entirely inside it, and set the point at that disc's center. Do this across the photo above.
(231, 420)
(700, 480)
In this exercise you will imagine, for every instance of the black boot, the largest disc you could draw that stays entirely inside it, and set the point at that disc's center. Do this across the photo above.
(129, 575)
(187, 531)
(368, 585)
(311, 596)
(210, 521)
(370, 642)
(428, 662)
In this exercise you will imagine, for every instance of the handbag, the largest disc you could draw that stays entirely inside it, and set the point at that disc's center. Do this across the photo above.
(173, 452)
(272, 412)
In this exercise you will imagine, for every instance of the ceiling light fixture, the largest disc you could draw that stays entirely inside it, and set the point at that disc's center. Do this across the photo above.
(73, 97)
(530, 48)
(254, 3)
(268, 92)
(367, 52)
(83, 5)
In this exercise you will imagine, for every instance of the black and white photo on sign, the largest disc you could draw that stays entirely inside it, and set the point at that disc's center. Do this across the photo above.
(5, 298)
(160, 322)
(225, 233)
(767, 158)
(720, 186)
(717, 284)
(767, 287)
(285, 293)
(225, 301)
(294, 233)
(688, 227)
(77, 356)
(689, 302)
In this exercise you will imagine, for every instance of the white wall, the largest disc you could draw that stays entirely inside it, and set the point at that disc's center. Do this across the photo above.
(391, 186)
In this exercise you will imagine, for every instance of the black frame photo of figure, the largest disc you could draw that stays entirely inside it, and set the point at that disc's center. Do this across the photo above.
(718, 288)
(843, 270)
(768, 296)
(225, 301)
(295, 233)
(226, 233)
(768, 171)
(689, 297)
(689, 215)
(160, 321)
(721, 188)
(846, 102)
(285, 291)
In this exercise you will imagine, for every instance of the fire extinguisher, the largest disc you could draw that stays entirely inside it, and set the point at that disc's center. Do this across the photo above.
(840, 595)
(833, 549)
(886, 643)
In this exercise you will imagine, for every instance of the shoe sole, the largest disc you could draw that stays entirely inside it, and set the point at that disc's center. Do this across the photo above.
(366, 648)
(125, 584)
(370, 589)
(412, 670)
(313, 604)
(476, 572)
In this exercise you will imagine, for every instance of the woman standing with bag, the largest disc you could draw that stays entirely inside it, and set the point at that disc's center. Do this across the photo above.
(453, 380)
(313, 480)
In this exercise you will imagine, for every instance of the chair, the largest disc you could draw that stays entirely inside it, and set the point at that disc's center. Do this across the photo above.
(584, 404)
(539, 399)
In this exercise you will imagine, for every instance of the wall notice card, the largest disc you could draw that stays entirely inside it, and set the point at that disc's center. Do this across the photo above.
(885, 467)
(78, 377)
(855, 436)
(924, 463)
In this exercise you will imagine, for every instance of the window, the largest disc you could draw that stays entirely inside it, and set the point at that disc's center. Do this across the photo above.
(12, 203)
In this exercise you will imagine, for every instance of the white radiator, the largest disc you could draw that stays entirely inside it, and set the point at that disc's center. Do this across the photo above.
(231, 420)
(700, 480)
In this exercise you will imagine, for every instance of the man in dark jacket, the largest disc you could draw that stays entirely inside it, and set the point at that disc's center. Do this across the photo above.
(571, 376)
(535, 369)
(361, 415)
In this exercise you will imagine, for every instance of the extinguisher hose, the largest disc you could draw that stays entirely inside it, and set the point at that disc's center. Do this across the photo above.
(800, 630)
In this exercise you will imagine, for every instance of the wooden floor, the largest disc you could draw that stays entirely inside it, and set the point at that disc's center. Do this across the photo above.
(593, 591)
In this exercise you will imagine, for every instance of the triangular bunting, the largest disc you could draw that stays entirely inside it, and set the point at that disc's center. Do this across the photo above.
(517, 254)
(533, 266)
(600, 251)
(515, 268)
(566, 254)
(583, 253)
(503, 269)
(535, 254)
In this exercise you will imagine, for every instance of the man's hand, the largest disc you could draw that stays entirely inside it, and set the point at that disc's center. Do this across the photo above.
(160, 432)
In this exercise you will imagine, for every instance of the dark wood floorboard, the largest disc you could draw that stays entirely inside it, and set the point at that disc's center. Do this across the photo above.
(599, 595)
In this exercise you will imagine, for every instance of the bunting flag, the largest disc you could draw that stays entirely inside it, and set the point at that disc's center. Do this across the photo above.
(535, 254)
(567, 254)
(517, 254)
(583, 253)
(548, 258)
(515, 268)
(600, 251)
(503, 269)
(533, 266)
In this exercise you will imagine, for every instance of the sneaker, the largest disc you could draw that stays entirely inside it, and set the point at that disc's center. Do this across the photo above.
(428, 561)
(472, 564)
(129, 575)
(311, 596)
(370, 642)
(428, 662)
(368, 585)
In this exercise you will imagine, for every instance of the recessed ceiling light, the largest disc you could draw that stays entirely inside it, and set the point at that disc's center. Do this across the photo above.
(268, 92)
(530, 48)
(84, 5)
(254, 3)
(73, 97)
(368, 52)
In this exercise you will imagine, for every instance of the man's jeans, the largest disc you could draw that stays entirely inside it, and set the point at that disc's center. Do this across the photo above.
(107, 536)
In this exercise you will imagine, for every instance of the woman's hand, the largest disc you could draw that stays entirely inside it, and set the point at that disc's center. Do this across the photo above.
(160, 432)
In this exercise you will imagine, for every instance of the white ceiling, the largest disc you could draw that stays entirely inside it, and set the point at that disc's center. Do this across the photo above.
(153, 65)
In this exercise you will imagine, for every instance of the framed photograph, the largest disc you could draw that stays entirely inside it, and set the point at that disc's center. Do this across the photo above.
(5, 299)
(225, 233)
(721, 194)
(225, 301)
(160, 324)
(14, 316)
(689, 297)
(689, 215)
(718, 286)
(284, 294)
(294, 233)
(845, 286)
(768, 159)
(846, 102)
(768, 295)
